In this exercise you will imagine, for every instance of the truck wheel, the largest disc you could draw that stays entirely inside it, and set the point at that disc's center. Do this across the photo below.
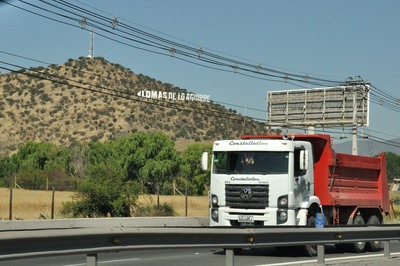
(311, 250)
(358, 247)
(374, 245)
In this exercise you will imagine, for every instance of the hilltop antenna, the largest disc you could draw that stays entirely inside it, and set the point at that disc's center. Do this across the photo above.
(91, 45)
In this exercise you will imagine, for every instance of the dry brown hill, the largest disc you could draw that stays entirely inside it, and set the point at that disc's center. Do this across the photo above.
(91, 99)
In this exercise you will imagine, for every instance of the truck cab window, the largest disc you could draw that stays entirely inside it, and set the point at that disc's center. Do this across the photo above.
(250, 162)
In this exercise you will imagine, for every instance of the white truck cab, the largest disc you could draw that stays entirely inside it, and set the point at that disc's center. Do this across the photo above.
(260, 182)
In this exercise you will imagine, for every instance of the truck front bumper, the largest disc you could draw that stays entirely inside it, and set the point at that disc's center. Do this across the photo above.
(226, 216)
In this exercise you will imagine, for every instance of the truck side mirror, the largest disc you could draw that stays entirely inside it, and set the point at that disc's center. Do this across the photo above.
(204, 161)
(303, 160)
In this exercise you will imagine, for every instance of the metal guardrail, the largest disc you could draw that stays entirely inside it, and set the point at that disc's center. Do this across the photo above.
(23, 244)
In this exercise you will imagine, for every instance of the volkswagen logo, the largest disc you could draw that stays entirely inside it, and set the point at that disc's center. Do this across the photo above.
(246, 193)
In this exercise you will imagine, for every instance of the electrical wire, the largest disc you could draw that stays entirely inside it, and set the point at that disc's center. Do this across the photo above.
(129, 83)
(118, 93)
(114, 92)
(250, 68)
(170, 48)
(208, 59)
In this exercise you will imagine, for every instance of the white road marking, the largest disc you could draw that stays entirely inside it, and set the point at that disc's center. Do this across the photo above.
(104, 262)
(349, 258)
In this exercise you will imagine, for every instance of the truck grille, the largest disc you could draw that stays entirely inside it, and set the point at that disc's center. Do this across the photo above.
(247, 196)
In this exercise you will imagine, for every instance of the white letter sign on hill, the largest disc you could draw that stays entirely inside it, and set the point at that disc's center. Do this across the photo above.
(174, 96)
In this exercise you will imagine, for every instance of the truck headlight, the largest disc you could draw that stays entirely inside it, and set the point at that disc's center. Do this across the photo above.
(214, 200)
(282, 216)
(214, 214)
(283, 201)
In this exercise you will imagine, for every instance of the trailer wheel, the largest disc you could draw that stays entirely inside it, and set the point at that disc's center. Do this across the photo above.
(358, 247)
(311, 250)
(374, 245)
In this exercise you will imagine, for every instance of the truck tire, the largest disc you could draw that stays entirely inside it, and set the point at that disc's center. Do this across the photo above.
(358, 247)
(311, 250)
(374, 245)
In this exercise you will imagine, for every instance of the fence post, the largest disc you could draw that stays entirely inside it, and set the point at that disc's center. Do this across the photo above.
(52, 204)
(91, 259)
(386, 248)
(11, 203)
(321, 254)
(158, 195)
(229, 257)
(186, 201)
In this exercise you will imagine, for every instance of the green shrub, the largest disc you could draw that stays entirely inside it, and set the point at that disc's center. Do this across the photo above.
(153, 210)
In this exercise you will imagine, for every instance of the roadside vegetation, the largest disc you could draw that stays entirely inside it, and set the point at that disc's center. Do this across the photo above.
(36, 204)
(109, 178)
(129, 176)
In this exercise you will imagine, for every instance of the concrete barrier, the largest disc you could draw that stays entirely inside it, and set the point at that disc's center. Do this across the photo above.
(7, 225)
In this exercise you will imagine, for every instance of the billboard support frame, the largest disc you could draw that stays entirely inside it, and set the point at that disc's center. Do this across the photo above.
(339, 106)
(342, 106)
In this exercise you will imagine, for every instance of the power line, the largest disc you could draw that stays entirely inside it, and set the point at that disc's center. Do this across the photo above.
(129, 83)
(126, 95)
(27, 58)
(200, 47)
(155, 42)
(363, 135)
(165, 44)
(175, 49)
(117, 93)
(120, 93)
(169, 47)
(194, 55)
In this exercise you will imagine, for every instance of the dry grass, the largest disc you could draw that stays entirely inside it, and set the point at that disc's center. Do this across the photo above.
(394, 218)
(32, 204)
(197, 206)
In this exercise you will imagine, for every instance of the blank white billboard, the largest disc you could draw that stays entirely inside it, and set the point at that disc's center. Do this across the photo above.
(331, 107)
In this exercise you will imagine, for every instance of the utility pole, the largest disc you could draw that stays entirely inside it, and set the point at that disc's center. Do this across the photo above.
(352, 84)
(91, 45)
(354, 146)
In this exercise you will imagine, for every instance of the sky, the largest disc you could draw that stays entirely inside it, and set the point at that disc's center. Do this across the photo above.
(332, 40)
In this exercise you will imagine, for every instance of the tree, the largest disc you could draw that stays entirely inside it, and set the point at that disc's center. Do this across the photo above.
(392, 166)
(190, 172)
(41, 155)
(103, 192)
(6, 170)
(115, 169)
(100, 153)
(161, 160)
(38, 165)
(149, 158)
(78, 160)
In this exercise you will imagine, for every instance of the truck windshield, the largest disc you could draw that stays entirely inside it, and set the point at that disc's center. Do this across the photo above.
(250, 162)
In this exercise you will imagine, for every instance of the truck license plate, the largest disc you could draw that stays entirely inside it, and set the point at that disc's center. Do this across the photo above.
(246, 220)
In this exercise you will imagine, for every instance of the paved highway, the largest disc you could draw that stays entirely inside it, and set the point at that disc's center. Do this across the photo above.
(201, 257)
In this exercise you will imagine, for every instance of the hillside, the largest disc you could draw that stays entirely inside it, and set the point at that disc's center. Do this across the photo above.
(91, 99)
